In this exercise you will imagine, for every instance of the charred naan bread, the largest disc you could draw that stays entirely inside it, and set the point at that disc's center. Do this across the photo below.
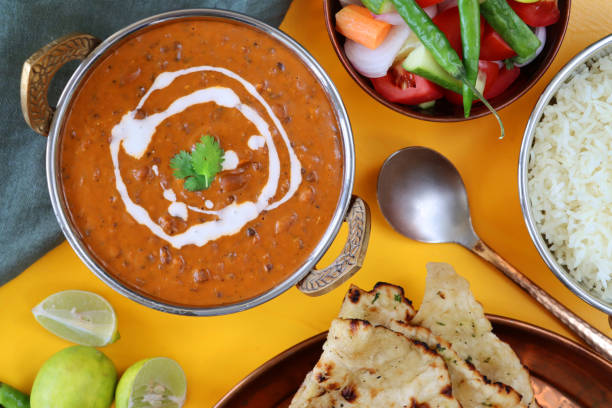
(450, 311)
(371, 366)
(470, 388)
(380, 306)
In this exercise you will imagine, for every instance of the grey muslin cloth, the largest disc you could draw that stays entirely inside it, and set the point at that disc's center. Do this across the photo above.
(28, 228)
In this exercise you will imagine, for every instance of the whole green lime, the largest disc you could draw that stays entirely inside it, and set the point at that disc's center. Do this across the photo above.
(76, 377)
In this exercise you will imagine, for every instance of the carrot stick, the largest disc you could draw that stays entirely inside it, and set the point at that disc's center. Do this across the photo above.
(356, 23)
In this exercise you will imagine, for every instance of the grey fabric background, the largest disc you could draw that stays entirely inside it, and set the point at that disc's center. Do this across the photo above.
(28, 228)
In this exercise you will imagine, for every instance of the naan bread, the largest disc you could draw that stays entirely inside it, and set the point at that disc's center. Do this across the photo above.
(450, 311)
(371, 366)
(470, 388)
(380, 306)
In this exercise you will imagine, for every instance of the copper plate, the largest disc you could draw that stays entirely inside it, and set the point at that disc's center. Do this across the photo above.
(564, 373)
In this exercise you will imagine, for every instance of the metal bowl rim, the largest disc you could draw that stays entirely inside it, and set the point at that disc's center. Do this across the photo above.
(58, 202)
(565, 74)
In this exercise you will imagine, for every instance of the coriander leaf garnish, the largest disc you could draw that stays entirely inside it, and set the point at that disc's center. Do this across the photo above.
(207, 158)
(196, 183)
(181, 163)
(199, 167)
(376, 296)
(397, 298)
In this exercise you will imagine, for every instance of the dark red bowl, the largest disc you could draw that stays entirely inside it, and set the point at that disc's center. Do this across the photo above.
(443, 110)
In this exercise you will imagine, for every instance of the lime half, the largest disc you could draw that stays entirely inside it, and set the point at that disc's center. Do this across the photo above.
(152, 383)
(78, 316)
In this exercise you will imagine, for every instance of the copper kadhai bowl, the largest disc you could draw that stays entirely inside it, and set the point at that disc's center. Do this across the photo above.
(36, 76)
(443, 110)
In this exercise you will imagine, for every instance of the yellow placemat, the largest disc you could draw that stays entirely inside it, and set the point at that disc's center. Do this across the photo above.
(218, 352)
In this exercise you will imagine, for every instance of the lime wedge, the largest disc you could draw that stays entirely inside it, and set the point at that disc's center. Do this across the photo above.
(152, 383)
(78, 316)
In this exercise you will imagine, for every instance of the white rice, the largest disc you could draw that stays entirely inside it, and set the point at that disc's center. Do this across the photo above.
(570, 177)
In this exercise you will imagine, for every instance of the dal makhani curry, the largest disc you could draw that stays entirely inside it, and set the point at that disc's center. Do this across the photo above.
(174, 92)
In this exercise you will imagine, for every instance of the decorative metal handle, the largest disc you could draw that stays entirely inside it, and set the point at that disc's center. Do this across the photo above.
(321, 281)
(593, 337)
(38, 71)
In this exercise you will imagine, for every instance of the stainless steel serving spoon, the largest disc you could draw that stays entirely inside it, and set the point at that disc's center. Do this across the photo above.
(422, 196)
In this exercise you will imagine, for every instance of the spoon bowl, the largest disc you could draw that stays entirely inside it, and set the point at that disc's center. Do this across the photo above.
(421, 194)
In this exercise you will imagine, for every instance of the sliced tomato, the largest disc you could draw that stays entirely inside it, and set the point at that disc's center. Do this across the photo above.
(493, 47)
(408, 88)
(505, 78)
(542, 13)
(427, 3)
(448, 22)
(491, 69)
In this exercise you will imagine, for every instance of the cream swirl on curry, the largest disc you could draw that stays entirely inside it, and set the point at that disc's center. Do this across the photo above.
(135, 135)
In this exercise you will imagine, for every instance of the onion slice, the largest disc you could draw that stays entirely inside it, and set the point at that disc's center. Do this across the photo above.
(392, 18)
(345, 3)
(445, 5)
(540, 32)
(431, 11)
(375, 63)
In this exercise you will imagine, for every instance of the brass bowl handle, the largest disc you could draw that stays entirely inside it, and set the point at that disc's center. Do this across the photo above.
(321, 281)
(38, 71)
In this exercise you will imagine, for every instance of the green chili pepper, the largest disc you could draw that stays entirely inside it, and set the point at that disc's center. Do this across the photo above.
(469, 16)
(438, 45)
(378, 6)
(510, 27)
(431, 36)
(12, 398)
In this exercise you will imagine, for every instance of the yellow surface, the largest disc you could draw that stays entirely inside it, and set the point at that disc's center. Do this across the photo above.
(217, 352)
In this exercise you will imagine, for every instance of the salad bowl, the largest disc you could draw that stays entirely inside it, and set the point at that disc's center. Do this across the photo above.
(443, 110)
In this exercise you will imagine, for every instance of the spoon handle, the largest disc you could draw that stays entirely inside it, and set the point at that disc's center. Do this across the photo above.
(593, 337)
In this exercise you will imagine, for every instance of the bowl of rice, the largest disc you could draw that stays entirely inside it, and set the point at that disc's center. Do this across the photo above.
(565, 175)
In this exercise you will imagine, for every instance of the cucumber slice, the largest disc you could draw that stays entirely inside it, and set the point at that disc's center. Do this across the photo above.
(481, 81)
(378, 6)
(411, 43)
(427, 105)
(421, 62)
